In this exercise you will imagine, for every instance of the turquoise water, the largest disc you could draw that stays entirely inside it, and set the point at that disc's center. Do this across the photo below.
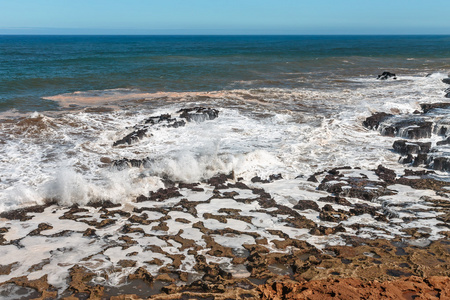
(33, 67)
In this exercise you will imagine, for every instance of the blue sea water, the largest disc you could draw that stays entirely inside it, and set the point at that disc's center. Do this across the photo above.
(33, 67)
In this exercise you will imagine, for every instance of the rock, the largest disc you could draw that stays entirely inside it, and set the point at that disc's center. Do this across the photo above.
(355, 288)
(307, 204)
(219, 181)
(386, 174)
(143, 274)
(374, 121)
(125, 163)
(441, 163)
(421, 159)
(361, 209)
(21, 213)
(386, 75)
(164, 194)
(443, 142)
(410, 128)
(426, 107)
(423, 183)
(446, 80)
(330, 215)
(335, 200)
(196, 114)
(354, 187)
(41, 227)
(131, 137)
(404, 147)
(312, 178)
(272, 178)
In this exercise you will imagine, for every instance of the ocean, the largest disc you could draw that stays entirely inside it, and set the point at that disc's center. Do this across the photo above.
(288, 107)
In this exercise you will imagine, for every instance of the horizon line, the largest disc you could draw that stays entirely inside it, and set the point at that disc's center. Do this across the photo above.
(224, 34)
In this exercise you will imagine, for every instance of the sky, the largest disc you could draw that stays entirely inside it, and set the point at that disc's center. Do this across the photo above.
(224, 17)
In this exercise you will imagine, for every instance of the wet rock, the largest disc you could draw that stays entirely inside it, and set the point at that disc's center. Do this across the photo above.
(441, 163)
(322, 230)
(126, 163)
(423, 183)
(6, 269)
(274, 177)
(80, 278)
(165, 278)
(354, 187)
(410, 128)
(198, 114)
(164, 194)
(271, 178)
(21, 213)
(217, 249)
(354, 288)
(312, 178)
(307, 204)
(426, 107)
(446, 80)
(41, 285)
(373, 122)
(443, 142)
(330, 215)
(335, 200)
(191, 186)
(361, 209)
(131, 137)
(404, 147)
(219, 181)
(258, 179)
(420, 159)
(41, 227)
(385, 174)
(386, 75)
(126, 263)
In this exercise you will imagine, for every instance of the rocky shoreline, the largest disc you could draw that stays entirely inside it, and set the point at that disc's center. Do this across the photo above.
(271, 263)
(359, 234)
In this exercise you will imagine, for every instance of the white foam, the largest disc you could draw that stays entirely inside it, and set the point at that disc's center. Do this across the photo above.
(258, 132)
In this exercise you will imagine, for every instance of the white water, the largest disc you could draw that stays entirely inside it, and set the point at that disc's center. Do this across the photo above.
(258, 132)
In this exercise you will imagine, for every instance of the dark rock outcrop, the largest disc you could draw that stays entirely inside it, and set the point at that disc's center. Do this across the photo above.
(441, 163)
(446, 80)
(195, 114)
(374, 121)
(410, 129)
(426, 107)
(307, 204)
(405, 147)
(386, 75)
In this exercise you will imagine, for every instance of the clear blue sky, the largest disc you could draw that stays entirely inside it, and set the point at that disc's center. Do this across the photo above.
(224, 17)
